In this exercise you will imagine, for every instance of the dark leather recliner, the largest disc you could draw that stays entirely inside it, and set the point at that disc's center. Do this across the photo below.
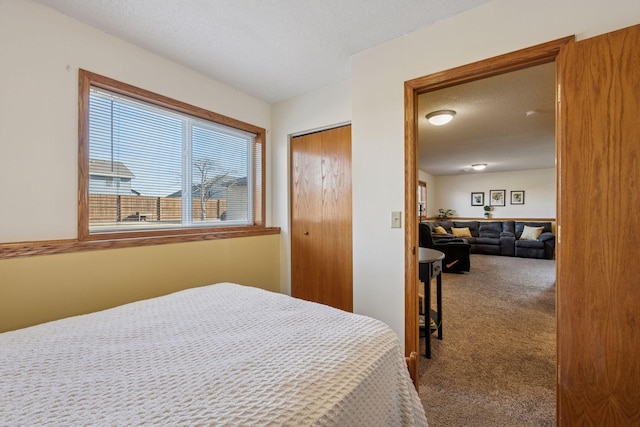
(542, 248)
(456, 251)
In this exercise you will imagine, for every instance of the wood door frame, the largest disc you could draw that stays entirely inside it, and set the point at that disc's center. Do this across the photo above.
(528, 57)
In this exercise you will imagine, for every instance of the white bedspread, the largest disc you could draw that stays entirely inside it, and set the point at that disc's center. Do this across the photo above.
(219, 355)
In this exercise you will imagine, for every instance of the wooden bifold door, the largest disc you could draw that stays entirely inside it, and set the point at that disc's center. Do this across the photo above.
(321, 240)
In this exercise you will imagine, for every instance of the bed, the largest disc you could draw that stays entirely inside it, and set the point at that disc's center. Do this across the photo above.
(222, 354)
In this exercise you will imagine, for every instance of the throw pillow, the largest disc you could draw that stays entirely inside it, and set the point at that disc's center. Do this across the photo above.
(439, 230)
(461, 232)
(531, 233)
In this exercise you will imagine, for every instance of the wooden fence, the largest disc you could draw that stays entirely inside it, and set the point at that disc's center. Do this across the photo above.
(112, 208)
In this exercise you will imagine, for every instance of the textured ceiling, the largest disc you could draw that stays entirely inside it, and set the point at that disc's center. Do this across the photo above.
(276, 49)
(271, 49)
(491, 124)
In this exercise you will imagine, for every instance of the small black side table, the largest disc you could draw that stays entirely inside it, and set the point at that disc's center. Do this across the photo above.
(430, 266)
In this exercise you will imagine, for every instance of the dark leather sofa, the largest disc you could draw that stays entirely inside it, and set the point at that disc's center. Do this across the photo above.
(503, 237)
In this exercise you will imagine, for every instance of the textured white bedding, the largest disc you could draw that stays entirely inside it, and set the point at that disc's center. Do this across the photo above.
(223, 354)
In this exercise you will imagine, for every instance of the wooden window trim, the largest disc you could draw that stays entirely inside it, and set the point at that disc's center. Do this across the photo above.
(51, 247)
(86, 80)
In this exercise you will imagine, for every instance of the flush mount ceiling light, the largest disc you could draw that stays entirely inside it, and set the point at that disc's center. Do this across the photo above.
(440, 117)
(479, 166)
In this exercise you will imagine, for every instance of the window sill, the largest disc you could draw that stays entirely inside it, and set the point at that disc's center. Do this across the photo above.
(50, 247)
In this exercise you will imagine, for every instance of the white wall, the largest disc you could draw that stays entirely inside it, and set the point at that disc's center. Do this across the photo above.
(40, 53)
(377, 77)
(539, 185)
(325, 107)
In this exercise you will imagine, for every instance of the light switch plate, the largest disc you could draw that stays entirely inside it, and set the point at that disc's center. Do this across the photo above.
(396, 219)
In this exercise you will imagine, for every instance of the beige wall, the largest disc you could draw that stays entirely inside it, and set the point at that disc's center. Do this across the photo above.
(377, 79)
(42, 288)
(374, 104)
(41, 51)
(325, 107)
(377, 115)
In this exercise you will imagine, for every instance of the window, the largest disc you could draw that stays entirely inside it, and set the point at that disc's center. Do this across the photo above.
(150, 165)
(422, 200)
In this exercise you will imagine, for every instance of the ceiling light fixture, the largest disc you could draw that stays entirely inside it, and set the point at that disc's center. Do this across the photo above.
(440, 117)
(479, 166)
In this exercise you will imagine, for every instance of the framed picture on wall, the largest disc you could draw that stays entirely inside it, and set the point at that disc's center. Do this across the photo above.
(517, 197)
(496, 197)
(477, 199)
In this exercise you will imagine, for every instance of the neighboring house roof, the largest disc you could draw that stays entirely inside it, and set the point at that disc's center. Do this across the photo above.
(214, 191)
(195, 192)
(109, 168)
(236, 182)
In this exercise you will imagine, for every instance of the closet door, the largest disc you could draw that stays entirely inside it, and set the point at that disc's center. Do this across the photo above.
(321, 227)
(598, 295)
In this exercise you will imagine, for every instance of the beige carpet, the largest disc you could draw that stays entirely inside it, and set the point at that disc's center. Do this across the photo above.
(496, 363)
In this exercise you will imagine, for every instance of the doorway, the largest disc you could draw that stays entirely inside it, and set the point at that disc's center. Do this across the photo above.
(537, 55)
(597, 154)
